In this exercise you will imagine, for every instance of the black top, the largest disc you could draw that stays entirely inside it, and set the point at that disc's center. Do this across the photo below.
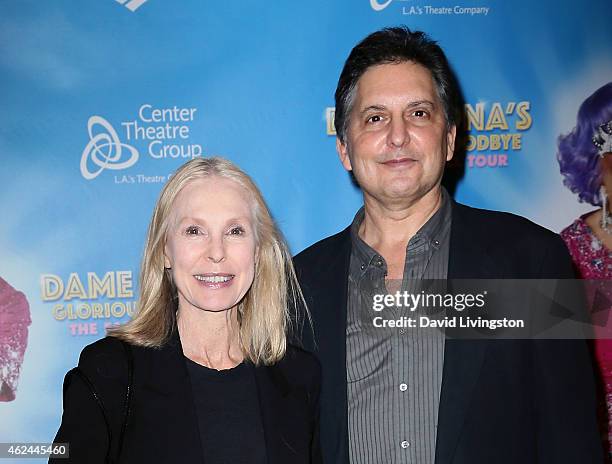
(235, 435)
(163, 426)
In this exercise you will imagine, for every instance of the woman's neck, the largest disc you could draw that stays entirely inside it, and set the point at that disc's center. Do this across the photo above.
(211, 339)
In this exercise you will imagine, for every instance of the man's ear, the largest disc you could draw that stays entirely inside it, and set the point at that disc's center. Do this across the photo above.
(451, 135)
(342, 150)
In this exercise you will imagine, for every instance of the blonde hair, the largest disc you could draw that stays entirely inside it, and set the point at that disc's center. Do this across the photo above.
(263, 313)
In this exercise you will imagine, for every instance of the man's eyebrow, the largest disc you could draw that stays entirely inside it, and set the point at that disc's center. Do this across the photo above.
(421, 102)
(411, 104)
(373, 108)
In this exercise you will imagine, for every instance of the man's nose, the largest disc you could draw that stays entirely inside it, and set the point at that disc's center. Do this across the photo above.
(398, 132)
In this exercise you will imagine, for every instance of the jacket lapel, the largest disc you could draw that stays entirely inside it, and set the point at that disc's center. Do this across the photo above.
(273, 390)
(462, 358)
(167, 379)
(330, 334)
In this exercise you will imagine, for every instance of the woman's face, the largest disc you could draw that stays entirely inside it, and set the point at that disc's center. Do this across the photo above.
(210, 244)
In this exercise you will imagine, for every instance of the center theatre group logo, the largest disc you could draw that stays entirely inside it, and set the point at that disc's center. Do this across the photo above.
(105, 150)
(164, 132)
(132, 5)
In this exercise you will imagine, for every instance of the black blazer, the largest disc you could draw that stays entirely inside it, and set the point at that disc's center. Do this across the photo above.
(502, 401)
(163, 427)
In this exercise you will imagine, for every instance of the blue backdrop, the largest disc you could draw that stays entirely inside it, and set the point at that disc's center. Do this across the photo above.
(151, 83)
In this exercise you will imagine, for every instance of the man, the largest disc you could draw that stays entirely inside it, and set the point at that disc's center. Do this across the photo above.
(408, 396)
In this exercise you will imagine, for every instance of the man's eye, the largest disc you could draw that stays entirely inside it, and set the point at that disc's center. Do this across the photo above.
(375, 118)
(192, 230)
(420, 113)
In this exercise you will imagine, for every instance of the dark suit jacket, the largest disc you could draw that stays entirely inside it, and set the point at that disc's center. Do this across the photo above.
(163, 426)
(502, 401)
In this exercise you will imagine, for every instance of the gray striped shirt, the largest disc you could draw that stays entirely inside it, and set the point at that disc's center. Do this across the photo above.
(394, 375)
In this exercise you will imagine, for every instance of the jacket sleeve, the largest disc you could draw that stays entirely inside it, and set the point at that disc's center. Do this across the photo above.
(91, 422)
(83, 425)
(564, 386)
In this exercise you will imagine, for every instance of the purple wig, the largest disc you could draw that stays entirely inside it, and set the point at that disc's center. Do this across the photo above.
(577, 156)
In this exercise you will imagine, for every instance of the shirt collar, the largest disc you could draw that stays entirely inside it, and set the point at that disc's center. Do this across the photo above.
(433, 230)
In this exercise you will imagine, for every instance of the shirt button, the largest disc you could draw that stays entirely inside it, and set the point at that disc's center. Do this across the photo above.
(403, 387)
(363, 266)
(405, 444)
(378, 262)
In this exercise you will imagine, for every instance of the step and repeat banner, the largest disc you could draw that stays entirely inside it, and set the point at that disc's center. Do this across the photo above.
(101, 100)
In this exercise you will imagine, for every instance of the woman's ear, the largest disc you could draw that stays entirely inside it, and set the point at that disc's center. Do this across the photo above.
(167, 262)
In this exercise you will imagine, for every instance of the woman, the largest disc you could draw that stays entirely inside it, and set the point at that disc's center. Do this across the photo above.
(586, 164)
(203, 372)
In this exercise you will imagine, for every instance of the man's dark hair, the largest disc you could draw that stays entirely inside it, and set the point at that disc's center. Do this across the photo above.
(396, 45)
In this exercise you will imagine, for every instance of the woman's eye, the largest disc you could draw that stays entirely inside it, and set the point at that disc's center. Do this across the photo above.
(192, 230)
(236, 231)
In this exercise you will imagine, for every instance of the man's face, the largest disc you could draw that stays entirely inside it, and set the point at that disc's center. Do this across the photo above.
(397, 140)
